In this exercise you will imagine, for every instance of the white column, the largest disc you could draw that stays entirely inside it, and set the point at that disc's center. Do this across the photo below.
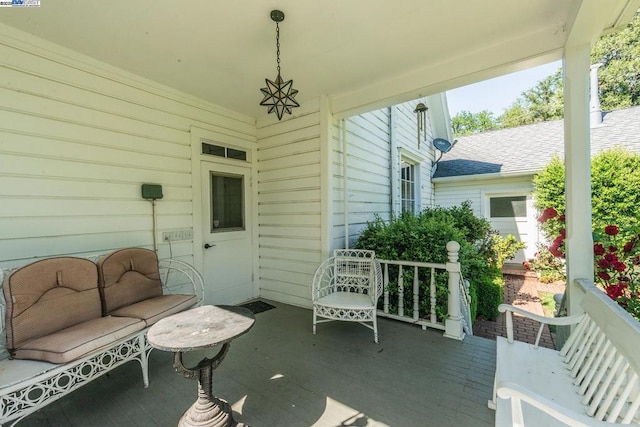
(453, 323)
(579, 242)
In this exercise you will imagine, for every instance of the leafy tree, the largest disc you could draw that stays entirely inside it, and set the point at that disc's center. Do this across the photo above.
(619, 78)
(516, 115)
(467, 123)
(540, 103)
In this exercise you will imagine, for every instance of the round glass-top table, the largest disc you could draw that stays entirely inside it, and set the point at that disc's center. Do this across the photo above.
(197, 329)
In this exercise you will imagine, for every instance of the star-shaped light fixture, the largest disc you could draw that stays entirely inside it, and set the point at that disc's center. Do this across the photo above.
(279, 95)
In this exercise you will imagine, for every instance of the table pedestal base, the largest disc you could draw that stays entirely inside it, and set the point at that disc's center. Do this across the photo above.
(208, 411)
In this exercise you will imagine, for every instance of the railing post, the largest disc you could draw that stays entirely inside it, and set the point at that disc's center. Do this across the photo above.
(386, 288)
(453, 323)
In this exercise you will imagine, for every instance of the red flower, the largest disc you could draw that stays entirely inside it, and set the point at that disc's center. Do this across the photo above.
(616, 291)
(563, 233)
(603, 263)
(624, 279)
(611, 230)
(604, 275)
(628, 246)
(561, 218)
(526, 264)
(619, 266)
(598, 249)
(613, 249)
(611, 258)
(547, 214)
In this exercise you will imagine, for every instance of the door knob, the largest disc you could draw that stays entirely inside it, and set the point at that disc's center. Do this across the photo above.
(207, 246)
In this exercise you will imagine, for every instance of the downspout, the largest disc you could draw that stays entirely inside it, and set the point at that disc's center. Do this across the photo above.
(393, 151)
(345, 186)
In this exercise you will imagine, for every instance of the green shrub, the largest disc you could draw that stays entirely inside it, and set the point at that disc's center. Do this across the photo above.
(423, 237)
(615, 200)
(548, 267)
(505, 247)
(473, 294)
(615, 190)
(489, 288)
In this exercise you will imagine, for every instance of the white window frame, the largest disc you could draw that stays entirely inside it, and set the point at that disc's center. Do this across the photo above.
(417, 160)
(407, 201)
(526, 207)
(487, 196)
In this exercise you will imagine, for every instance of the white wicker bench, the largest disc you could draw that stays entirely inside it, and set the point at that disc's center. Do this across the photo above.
(592, 380)
(28, 385)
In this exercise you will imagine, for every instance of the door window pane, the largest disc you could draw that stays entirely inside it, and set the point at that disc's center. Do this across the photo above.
(236, 154)
(508, 207)
(221, 151)
(227, 203)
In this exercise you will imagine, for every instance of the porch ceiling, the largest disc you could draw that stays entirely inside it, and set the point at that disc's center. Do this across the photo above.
(362, 53)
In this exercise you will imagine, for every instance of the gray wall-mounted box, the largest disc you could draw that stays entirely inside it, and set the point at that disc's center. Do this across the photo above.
(151, 191)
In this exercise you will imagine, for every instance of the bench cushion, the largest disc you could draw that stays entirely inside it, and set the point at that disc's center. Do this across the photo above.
(153, 309)
(49, 295)
(346, 300)
(74, 342)
(128, 276)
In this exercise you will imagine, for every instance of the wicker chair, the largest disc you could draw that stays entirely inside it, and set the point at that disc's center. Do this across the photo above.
(346, 287)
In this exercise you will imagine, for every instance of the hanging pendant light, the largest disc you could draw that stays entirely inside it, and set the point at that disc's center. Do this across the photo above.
(279, 95)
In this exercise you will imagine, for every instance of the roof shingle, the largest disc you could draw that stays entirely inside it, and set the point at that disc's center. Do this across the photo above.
(530, 148)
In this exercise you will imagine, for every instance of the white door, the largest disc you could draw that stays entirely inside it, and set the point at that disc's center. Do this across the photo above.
(227, 249)
(512, 214)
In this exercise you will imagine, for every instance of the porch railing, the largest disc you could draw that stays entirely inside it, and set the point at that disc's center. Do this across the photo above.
(428, 282)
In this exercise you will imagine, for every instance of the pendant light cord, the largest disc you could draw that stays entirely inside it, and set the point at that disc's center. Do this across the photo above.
(278, 45)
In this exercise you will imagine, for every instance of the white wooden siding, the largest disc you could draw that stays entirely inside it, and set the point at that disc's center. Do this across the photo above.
(366, 137)
(406, 131)
(289, 213)
(454, 192)
(77, 140)
(373, 142)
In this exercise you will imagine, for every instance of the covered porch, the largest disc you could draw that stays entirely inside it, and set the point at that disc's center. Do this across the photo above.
(85, 122)
(281, 374)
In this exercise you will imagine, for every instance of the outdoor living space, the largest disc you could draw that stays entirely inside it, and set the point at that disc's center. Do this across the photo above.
(280, 374)
(147, 125)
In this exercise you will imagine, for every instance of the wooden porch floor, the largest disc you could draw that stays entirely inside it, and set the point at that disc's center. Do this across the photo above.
(280, 374)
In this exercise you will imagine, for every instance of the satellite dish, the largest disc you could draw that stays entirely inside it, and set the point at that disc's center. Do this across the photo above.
(442, 144)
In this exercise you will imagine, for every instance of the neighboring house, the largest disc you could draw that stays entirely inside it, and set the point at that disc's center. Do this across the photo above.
(494, 170)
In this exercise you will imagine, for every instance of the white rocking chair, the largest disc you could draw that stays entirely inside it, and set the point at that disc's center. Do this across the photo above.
(346, 287)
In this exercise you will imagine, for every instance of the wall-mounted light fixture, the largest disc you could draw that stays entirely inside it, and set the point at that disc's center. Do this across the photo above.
(279, 96)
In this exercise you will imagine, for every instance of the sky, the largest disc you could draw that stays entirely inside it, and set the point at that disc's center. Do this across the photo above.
(497, 94)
